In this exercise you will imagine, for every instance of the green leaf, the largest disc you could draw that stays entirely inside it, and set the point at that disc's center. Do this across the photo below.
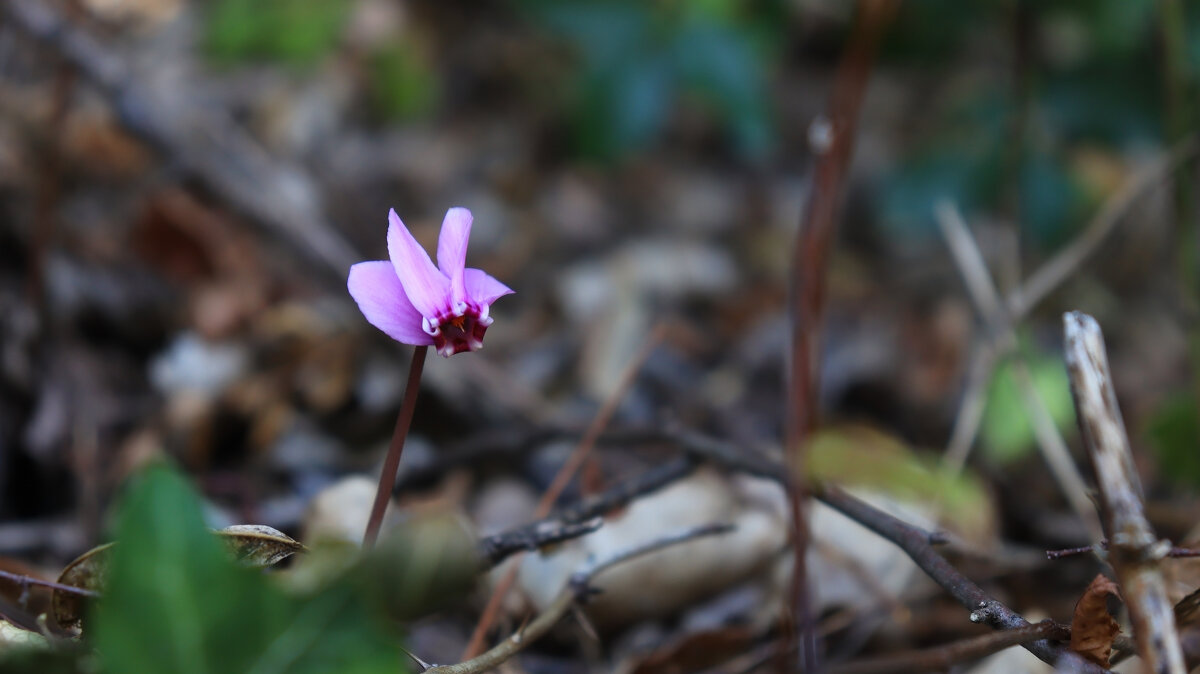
(1174, 433)
(858, 456)
(176, 602)
(290, 31)
(637, 60)
(1006, 432)
(403, 83)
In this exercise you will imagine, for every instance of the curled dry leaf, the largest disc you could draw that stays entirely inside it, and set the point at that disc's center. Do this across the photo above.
(1092, 627)
(1187, 610)
(254, 544)
(88, 572)
(259, 545)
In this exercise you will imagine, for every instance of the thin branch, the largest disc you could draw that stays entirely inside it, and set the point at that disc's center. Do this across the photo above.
(1101, 549)
(26, 581)
(917, 544)
(1051, 274)
(1134, 550)
(498, 547)
(986, 299)
(946, 656)
(970, 411)
(577, 590)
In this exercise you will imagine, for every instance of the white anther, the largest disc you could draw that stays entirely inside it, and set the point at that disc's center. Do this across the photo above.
(429, 328)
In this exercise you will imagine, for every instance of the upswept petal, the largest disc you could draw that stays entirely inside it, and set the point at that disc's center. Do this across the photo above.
(427, 288)
(482, 289)
(381, 298)
(452, 249)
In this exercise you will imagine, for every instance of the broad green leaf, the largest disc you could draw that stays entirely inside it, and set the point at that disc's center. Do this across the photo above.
(254, 545)
(175, 602)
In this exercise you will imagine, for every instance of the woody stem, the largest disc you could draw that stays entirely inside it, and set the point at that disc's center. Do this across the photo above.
(391, 465)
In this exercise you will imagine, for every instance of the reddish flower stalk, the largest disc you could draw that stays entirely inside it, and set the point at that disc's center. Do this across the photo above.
(391, 464)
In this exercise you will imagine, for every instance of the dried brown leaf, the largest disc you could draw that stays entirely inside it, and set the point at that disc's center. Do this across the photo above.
(1092, 627)
(254, 544)
(88, 572)
(1187, 610)
(259, 545)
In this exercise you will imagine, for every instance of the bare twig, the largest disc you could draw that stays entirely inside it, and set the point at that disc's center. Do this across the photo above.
(30, 580)
(561, 479)
(577, 590)
(1134, 550)
(1103, 546)
(1051, 274)
(946, 656)
(498, 547)
(974, 404)
(987, 301)
(917, 544)
(495, 549)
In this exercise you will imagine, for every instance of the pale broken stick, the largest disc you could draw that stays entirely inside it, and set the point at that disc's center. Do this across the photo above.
(1003, 339)
(1133, 550)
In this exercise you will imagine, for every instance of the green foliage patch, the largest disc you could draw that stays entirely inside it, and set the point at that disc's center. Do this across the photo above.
(637, 60)
(296, 32)
(176, 602)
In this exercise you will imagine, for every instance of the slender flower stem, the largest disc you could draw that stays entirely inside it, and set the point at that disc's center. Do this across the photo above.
(387, 477)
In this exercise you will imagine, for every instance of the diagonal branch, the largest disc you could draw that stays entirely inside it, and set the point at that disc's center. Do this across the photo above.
(1051, 274)
(1003, 339)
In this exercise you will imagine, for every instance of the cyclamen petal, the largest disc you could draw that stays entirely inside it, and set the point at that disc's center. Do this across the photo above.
(380, 297)
(452, 250)
(427, 288)
(482, 289)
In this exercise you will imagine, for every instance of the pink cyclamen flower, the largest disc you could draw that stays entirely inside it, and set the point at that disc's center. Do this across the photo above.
(417, 303)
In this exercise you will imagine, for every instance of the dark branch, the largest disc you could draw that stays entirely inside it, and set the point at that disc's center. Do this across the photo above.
(948, 655)
(498, 547)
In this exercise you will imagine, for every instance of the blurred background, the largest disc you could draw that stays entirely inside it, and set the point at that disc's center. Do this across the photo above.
(183, 186)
